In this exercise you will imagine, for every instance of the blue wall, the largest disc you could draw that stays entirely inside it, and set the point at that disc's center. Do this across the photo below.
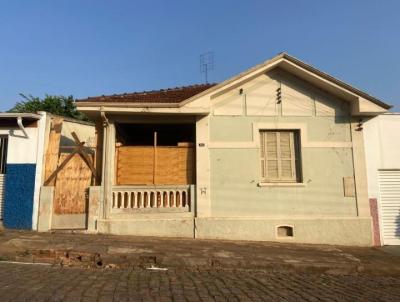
(18, 198)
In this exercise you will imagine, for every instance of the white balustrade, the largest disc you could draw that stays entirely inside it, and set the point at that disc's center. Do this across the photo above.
(151, 197)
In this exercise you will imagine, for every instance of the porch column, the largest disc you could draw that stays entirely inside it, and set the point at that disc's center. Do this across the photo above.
(98, 159)
(108, 168)
(203, 201)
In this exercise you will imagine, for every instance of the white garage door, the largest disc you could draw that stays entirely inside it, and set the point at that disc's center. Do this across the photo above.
(389, 203)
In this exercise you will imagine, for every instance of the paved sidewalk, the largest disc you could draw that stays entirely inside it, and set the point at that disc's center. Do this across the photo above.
(107, 251)
(22, 282)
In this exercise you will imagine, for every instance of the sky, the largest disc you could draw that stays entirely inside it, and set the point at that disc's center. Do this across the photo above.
(94, 47)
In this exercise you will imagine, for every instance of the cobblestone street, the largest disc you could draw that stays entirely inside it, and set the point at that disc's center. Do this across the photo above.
(22, 282)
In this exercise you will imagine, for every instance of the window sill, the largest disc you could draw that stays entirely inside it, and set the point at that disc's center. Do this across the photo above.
(281, 184)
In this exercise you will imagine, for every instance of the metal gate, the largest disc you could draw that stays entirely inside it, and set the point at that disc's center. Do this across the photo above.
(389, 205)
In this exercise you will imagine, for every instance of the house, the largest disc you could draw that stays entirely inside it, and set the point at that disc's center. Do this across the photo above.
(275, 153)
(382, 151)
(21, 135)
(25, 164)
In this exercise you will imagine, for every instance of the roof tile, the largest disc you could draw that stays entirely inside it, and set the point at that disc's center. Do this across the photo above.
(162, 96)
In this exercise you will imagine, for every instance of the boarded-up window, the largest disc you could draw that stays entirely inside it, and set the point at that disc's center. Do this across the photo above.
(280, 155)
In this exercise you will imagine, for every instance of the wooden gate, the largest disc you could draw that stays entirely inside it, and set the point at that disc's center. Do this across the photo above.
(71, 194)
(70, 170)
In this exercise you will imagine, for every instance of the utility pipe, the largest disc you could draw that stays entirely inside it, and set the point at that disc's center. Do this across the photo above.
(21, 126)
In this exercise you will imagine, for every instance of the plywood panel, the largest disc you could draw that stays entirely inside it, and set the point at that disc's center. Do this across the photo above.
(173, 165)
(135, 165)
(71, 185)
(53, 149)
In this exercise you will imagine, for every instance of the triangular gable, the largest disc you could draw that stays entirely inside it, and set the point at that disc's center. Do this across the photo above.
(361, 102)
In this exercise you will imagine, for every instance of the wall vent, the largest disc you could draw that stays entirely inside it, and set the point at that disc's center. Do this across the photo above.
(284, 231)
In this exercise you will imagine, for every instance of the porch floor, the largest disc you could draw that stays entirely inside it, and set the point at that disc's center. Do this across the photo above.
(129, 251)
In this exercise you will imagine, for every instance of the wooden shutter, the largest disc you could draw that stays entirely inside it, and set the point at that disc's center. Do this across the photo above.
(287, 156)
(278, 156)
(272, 155)
(262, 155)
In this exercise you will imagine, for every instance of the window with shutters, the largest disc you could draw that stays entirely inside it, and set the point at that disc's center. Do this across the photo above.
(280, 153)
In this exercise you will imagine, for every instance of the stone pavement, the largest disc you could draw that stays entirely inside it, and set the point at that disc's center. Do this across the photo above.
(107, 251)
(32, 282)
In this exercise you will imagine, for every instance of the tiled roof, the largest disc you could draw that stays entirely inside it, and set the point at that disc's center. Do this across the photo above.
(170, 95)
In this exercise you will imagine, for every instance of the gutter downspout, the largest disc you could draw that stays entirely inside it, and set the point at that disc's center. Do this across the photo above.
(21, 126)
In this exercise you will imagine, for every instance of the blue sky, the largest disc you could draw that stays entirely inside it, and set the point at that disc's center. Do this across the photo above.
(87, 48)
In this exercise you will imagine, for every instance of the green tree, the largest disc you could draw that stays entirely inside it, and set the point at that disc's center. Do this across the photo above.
(55, 104)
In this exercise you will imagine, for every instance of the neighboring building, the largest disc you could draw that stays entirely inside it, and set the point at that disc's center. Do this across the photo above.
(382, 150)
(275, 153)
(24, 139)
(21, 139)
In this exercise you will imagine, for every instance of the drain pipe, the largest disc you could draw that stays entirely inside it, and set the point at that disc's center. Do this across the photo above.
(104, 119)
(21, 126)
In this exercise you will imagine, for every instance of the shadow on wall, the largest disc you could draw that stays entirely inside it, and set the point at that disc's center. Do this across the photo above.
(12, 133)
(301, 95)
(68, 145)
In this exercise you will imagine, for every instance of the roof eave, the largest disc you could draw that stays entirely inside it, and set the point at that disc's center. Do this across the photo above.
(126, 105)
(336, 81)
(22, 115)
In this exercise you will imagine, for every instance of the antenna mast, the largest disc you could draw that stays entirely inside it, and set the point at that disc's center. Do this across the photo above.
(206, 63)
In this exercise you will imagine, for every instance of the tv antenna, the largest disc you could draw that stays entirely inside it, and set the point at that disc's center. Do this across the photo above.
(206, 63)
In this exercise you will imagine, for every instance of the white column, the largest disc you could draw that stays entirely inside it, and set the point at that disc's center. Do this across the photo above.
(108, 166)
(203, 201)
(43, 133)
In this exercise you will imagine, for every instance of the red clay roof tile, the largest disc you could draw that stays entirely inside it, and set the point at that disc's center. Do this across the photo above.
(162, 96)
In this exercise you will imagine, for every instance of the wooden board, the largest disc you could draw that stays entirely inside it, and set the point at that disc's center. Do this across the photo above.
(145, 165)
(53, 149)
(72, 183)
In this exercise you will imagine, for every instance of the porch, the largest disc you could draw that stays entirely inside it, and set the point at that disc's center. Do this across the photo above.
(149, 172)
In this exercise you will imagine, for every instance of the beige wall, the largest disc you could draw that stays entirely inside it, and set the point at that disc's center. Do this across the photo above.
(341, 231)
(326, 153)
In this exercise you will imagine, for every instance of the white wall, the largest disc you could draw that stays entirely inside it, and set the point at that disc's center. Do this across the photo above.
(382, 147)
(21, 150)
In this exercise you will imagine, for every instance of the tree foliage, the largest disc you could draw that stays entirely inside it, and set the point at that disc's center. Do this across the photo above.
(55, 104)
